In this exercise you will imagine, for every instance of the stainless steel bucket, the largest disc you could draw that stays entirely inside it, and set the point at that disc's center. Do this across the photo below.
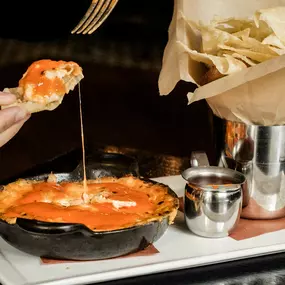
(259, 153)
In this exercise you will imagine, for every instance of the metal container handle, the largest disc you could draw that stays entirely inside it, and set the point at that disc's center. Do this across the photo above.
(198, 159)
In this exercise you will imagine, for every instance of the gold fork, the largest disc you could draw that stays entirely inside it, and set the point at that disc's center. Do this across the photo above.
(97, 13)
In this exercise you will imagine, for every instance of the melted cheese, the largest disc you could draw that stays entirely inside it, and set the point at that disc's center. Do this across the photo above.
(82, 140)
(108, 205)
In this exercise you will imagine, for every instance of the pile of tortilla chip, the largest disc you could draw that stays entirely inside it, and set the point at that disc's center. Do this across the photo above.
(231, 45)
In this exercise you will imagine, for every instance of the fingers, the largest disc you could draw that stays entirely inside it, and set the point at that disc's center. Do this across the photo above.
(11, 116)
(11, 119)
(7, 98)
(11, 132)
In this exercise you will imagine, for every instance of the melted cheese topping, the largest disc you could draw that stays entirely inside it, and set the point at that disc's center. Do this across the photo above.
(45, 80)
(108, 205)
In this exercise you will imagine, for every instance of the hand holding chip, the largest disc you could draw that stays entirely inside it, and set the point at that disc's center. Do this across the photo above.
(11, 119)
(41, 88)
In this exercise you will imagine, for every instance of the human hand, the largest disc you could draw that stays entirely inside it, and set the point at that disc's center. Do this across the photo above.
(11, 119)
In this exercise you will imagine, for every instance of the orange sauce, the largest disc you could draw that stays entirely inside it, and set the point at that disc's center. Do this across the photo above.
(97, 216)
(42, 85)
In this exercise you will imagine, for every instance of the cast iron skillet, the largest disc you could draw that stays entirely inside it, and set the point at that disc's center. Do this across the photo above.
(76, 241)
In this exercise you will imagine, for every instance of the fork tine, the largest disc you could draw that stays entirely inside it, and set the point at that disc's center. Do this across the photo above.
(95, 12)
(106, 13)
(96, 17)
(86, 16)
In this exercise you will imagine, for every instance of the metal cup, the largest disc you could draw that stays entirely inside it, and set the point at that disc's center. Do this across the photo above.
(259, 153)
(213, 198)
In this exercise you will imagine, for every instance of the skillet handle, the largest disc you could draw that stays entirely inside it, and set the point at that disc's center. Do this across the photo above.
(100, 164)
(45, 228)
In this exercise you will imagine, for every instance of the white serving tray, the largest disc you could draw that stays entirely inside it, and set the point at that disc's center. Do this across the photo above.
(178, 249)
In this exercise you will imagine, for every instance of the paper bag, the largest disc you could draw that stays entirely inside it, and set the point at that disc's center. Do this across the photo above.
(254, 96)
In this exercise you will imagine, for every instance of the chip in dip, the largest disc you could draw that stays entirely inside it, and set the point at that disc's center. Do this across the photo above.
(231, 45)
(44, 84)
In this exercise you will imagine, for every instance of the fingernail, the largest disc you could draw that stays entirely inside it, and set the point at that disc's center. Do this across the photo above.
(22, 114)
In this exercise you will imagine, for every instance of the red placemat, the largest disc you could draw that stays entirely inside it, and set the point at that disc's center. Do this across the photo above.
(251, 228)
(150, 250)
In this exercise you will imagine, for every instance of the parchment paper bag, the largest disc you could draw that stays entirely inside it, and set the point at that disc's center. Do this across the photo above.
(255, 95)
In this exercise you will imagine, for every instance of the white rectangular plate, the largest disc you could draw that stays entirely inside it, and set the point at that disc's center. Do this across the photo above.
(178, 249)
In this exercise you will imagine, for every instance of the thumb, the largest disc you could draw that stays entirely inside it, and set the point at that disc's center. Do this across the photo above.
(11, 116)
(11, 132)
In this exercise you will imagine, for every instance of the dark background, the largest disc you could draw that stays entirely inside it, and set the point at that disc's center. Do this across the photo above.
(121, 63)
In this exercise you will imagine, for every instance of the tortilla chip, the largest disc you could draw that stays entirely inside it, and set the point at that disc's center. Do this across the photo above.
(242, 33)
(278, 50)
(253, 55)
(232, 44)
(273, 40)
(233, 26)
(255, 45)
(212, 37)
(274, 17)
(225, 65)
(244, 59)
